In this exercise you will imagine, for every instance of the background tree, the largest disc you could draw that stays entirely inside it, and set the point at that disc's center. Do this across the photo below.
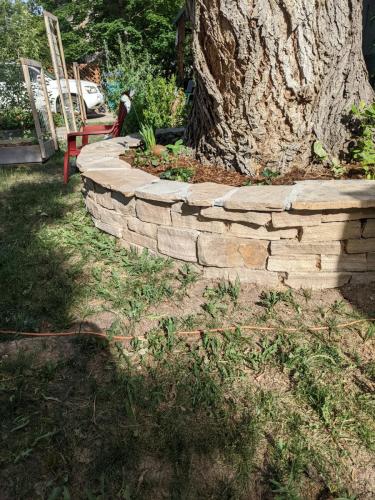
(273, 76)
(145, 25)
(19, 31)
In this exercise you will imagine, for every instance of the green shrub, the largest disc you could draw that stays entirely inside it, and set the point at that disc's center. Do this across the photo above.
(364, 150)
(157, 100)
(16, 118)
(163, 103)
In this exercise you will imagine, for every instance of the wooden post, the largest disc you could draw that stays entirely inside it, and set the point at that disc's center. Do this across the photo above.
(77, 78)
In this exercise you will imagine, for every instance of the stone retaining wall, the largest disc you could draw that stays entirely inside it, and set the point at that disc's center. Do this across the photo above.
(312, 235)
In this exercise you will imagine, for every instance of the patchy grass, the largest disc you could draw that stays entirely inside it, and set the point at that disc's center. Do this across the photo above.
(233, 415)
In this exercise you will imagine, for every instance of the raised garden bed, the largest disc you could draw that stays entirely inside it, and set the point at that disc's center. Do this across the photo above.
(183, 167)
(313, 234)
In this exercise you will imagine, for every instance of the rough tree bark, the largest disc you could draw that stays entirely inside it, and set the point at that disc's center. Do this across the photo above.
(273, 76)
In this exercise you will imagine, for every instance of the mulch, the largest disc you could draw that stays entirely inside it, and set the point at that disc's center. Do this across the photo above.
(215, 173)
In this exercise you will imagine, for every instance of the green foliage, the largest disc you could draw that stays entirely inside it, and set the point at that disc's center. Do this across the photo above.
(177, 148)
(145, 25)
(148, 136)
(16, 118)
(20, 31)
(323, 156)
(15, 110)
(364, 150)
(157, 99)
(319, 151)
(178, 174)
(269, 175)
(163, 103)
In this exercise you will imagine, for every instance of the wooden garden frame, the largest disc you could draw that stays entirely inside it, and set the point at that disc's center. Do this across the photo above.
(82, 105)
(48, 144)
(59, 66)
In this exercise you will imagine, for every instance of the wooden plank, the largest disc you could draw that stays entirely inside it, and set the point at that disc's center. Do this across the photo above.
(49, 112)
(47, 17)
(62, 57)
(14, 155)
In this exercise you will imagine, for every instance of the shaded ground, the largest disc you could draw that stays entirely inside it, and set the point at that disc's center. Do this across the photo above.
(219, 416)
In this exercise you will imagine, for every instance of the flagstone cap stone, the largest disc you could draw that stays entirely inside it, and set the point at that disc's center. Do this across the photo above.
(206, 193)
(102, 164)
(331, 195)
(164, 190)
(259, 198)
(125, 181)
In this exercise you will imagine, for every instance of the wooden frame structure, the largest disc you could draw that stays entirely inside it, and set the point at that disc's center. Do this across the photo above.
(36, 88)
(82, 106)
(61, 73)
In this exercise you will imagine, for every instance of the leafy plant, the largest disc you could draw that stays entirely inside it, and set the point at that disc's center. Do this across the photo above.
(269, 175)
(364, 150)
(319, 151)
(178, 174)
(177, 148)
(322, 156)
(148, 136)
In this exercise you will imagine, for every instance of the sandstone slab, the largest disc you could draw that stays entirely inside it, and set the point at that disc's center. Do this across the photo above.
(123, 204)
(132, 140)
(125, 181)
(255, 277)
(153, 211)
(369, 229)
(317, 281)
(259, 198)
(371, 262)
(295, 219)
(139, 240)
(178, 243)
(339, 215)
(293, 263)
(261, 233)
(143, 228)
(205, 194)
(295, 247)
(108, 228)
(362, 278)
(332, 231)
(361, 246)
(102, 164)
(334, 195)
(164, 191)
(195, 221)
(110, 217)
(344, 262)
(219, 251)
(218, 213)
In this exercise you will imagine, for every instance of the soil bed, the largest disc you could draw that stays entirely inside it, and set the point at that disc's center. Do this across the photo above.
(213, 173)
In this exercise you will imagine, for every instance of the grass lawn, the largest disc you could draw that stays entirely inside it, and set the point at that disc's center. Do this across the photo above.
(234, 415)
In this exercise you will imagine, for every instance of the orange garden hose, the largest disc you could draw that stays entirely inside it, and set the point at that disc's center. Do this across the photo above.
(187, 333)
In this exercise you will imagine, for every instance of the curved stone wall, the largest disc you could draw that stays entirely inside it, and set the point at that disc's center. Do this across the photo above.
(314, 234)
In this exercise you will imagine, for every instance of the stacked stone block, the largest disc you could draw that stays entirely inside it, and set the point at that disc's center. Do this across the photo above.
(312, 235)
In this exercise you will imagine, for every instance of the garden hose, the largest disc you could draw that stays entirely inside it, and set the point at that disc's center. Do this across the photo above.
(118, 338)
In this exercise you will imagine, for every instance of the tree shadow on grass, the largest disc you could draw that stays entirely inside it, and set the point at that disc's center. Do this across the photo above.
(36, 285)
(77, 420)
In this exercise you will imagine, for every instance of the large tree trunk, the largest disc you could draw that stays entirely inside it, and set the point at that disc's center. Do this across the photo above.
(273, 76)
